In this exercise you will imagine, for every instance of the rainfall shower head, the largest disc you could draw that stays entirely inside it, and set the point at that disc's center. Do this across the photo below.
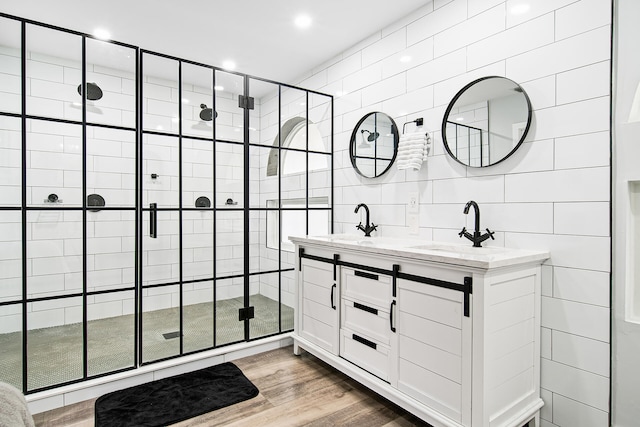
(372, 136)
(93, 91)
(206, 114)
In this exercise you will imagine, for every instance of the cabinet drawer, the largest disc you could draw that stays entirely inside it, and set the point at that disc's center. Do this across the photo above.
(365, 353)
(367, 320)
(371, 288)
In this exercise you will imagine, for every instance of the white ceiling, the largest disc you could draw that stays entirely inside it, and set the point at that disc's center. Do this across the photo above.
(258, 35)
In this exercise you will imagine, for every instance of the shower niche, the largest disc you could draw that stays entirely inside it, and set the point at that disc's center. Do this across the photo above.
(142, 258)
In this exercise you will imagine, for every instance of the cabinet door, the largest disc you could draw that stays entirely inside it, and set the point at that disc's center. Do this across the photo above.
(434, 348)
(318, 301)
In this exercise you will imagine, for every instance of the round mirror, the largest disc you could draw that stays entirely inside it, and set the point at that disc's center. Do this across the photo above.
(374, 144)
(486, 121)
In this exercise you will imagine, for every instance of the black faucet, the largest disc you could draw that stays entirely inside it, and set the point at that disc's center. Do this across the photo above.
(369, 227)
(477, 237)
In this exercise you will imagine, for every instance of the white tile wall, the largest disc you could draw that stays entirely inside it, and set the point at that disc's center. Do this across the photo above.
(552, 194)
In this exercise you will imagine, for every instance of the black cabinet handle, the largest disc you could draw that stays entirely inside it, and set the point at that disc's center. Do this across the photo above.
(153, 220)
(365, 308)
(393, 304)
(367, 275)
(364, 341)
(332, 289)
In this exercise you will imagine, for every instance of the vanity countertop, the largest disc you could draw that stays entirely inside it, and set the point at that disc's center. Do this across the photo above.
(425, 250)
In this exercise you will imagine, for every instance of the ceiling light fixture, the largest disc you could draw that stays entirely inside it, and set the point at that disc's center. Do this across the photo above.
(405, 58)
(302, 21)
(102, 34)
(229, 65)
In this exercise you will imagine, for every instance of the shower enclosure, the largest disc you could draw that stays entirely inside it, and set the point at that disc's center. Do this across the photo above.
(145, 204)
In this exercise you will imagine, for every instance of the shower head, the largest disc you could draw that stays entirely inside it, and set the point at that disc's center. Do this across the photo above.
(93, 91)
(372, 136)
(206, 114)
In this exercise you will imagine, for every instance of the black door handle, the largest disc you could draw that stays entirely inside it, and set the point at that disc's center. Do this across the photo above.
(393, 304)
(332, 289)
(153, 220)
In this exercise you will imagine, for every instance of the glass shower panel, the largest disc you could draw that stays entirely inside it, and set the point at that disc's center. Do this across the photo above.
(11, 344)
(320, 122)
(229, 240)
(111, 83)
(197, 101)
(160, 103)
(54, 253)
(263, 119)
(263, 183)
(111, 167)
(293, 164)
(10, 161)
(111, 251)
(160, 254)
(110, 332)
(229, 171)
(198, 312)
(230, 120)
(10, 66)
(264, 297)
(54, 342)
(54, 164)
(54, 73)
(197, 173)
(263, 256)
(197, 244)
(229, 299)
(160, 323)
(10, 256)
(160, 171)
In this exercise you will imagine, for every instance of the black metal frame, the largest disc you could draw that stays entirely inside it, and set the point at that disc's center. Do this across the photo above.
(459, 125)
(375, 158)
(458, 95)
(140, 210)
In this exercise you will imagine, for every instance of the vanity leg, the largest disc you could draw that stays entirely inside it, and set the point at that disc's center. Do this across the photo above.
(296, 348)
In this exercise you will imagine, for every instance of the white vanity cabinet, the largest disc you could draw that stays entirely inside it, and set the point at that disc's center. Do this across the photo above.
(318, 296)
(453, 337)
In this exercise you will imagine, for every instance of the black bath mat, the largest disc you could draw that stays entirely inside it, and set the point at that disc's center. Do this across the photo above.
(174, 399)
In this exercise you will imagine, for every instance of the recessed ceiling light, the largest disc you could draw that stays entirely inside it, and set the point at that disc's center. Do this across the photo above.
(102, 34)
(405, 58)
(218, 88)
(341, 93)
(229, 65)
(302, 21)
(520, 9)
(460, 119)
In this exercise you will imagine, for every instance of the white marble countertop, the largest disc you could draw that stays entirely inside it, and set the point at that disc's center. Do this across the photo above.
(425, 250)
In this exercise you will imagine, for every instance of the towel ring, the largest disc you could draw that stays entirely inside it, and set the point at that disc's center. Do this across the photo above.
(418, 122)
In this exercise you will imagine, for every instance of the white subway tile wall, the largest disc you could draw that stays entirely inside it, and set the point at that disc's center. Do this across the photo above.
(552, 194)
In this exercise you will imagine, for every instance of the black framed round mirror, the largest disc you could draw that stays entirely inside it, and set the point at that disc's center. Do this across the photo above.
(486, 121)
(374, 144)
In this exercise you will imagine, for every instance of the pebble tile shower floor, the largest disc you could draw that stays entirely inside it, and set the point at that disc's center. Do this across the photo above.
(55, 354)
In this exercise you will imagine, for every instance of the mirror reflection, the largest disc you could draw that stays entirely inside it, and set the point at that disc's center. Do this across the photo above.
(486, 121)
(374, 144)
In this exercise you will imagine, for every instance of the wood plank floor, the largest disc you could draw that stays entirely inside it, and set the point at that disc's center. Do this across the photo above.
(294, 391)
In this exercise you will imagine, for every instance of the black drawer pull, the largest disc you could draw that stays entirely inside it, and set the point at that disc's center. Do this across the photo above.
(365, 308)
(393, 304)
(332, 289)
(367, 275)
(364, 341)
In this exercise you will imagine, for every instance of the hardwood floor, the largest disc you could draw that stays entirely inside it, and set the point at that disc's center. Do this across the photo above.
(294, 391)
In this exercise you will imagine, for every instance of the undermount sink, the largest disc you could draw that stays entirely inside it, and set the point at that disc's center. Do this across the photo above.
(459, 249)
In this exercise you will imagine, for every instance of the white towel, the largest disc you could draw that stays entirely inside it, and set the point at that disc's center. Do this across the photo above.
(413, 149)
